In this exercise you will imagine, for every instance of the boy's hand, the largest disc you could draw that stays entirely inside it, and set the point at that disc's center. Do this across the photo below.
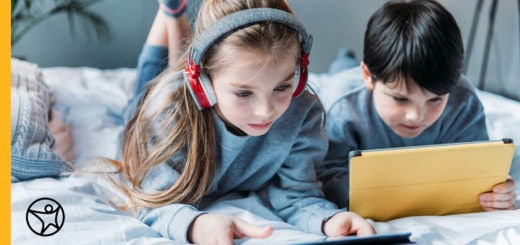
(222, 229)
(347, 223)
(502, 197)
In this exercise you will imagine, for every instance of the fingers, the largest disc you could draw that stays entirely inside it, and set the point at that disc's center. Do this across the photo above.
(361, 227)
(223, 229)
(498, 201)
(245, 229)
(365, 229)
(347, 223)
(506, 187)
(492, 206)
(502, 197)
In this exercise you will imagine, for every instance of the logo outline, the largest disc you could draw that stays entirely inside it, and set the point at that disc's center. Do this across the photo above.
(45, 209)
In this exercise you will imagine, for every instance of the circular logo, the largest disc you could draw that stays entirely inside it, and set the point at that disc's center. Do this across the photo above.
(45, 216)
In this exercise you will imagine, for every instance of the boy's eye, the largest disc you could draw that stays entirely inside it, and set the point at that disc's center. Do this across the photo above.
(282, 88)
(243, 93)
(436, 99)
(400, 99)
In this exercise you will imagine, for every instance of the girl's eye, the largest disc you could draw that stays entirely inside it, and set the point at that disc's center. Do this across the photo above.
(282, 88)
(243, 93)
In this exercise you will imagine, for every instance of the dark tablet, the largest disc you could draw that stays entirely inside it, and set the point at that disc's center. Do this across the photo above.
(397, 238)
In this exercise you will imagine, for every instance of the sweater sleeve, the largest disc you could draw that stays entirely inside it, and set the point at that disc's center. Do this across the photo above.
(295, 192)
(171, 221)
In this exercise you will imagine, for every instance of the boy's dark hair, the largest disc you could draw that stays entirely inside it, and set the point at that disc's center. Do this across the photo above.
(417, 41)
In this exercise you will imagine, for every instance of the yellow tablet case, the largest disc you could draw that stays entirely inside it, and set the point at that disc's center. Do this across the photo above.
(428, 180)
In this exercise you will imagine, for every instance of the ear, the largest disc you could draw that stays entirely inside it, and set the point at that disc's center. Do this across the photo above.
(367, 76)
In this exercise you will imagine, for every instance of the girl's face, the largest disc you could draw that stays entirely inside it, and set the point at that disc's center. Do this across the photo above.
(407, 111)
(251, 94)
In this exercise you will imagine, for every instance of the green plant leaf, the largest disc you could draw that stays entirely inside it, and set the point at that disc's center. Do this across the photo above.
(25, 15)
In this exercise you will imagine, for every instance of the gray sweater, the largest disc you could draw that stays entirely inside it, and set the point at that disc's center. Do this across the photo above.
(280, 165)
(353, 123)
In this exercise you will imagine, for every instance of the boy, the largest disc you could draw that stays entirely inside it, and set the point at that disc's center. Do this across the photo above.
(408, 91)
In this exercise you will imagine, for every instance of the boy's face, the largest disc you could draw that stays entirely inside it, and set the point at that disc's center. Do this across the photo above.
(407, 111)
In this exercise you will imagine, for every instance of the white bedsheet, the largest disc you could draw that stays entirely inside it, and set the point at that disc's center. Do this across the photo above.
(93, 99)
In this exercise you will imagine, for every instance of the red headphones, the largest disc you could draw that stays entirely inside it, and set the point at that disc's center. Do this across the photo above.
(199, 83)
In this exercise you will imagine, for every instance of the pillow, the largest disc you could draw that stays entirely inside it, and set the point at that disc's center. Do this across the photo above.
(502, 120)
(32, 155)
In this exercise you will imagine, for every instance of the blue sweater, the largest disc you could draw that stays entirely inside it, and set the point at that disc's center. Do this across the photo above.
(280, 164)
(353, 123)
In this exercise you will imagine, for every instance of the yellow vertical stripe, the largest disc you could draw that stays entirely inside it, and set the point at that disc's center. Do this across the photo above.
(5, 97)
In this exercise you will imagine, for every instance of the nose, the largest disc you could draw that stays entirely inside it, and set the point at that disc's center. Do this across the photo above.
(265, 108)
(414, 114)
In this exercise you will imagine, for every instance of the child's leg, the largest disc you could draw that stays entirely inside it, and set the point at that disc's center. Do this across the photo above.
(164, 45)
(152, 61)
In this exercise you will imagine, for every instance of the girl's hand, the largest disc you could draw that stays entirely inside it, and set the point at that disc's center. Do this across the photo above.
(501, 198)
(347, 223)
(222, 229)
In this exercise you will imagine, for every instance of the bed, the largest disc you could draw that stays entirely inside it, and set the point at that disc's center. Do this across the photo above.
(92, 101)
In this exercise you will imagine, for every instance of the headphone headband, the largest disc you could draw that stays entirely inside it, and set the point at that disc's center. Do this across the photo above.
(200, 85)
(240, 19)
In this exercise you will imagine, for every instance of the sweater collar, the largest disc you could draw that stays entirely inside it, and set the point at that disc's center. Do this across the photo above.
(227, 138)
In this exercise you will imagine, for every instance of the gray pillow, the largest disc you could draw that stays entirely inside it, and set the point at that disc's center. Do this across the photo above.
(32, 155)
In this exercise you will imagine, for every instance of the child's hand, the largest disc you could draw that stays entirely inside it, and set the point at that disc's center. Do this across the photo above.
(502, 197)
(347, 223)
(222, 229)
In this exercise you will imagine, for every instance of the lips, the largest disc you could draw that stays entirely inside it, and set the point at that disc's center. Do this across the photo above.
(410, 127)
(262, 126)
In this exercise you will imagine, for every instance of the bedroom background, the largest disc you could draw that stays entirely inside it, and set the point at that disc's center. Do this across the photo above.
(338, 23)
(92, 86)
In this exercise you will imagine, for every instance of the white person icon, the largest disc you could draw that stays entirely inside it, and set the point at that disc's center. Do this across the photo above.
(45, 216)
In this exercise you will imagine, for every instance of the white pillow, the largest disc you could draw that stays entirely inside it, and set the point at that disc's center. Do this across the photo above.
(503, 121)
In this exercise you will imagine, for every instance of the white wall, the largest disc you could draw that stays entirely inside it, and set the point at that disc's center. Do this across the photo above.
(333, 23)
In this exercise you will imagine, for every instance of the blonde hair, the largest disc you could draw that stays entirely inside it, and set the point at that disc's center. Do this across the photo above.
(168, 123)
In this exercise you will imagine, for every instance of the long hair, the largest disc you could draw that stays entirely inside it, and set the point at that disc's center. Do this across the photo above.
(168, 127)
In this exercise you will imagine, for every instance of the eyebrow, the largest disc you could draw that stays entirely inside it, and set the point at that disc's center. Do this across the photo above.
(391, 93)
(245, 86)
(437, 97)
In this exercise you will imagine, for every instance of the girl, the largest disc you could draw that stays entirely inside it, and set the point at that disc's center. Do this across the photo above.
(236, 120)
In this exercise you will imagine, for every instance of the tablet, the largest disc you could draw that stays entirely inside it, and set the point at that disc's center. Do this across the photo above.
(397, 238)
(427, 180)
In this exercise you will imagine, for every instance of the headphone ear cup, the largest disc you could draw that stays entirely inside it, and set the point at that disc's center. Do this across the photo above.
(208, 89)
(197, 91)
(296, 80)
(300, 79)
